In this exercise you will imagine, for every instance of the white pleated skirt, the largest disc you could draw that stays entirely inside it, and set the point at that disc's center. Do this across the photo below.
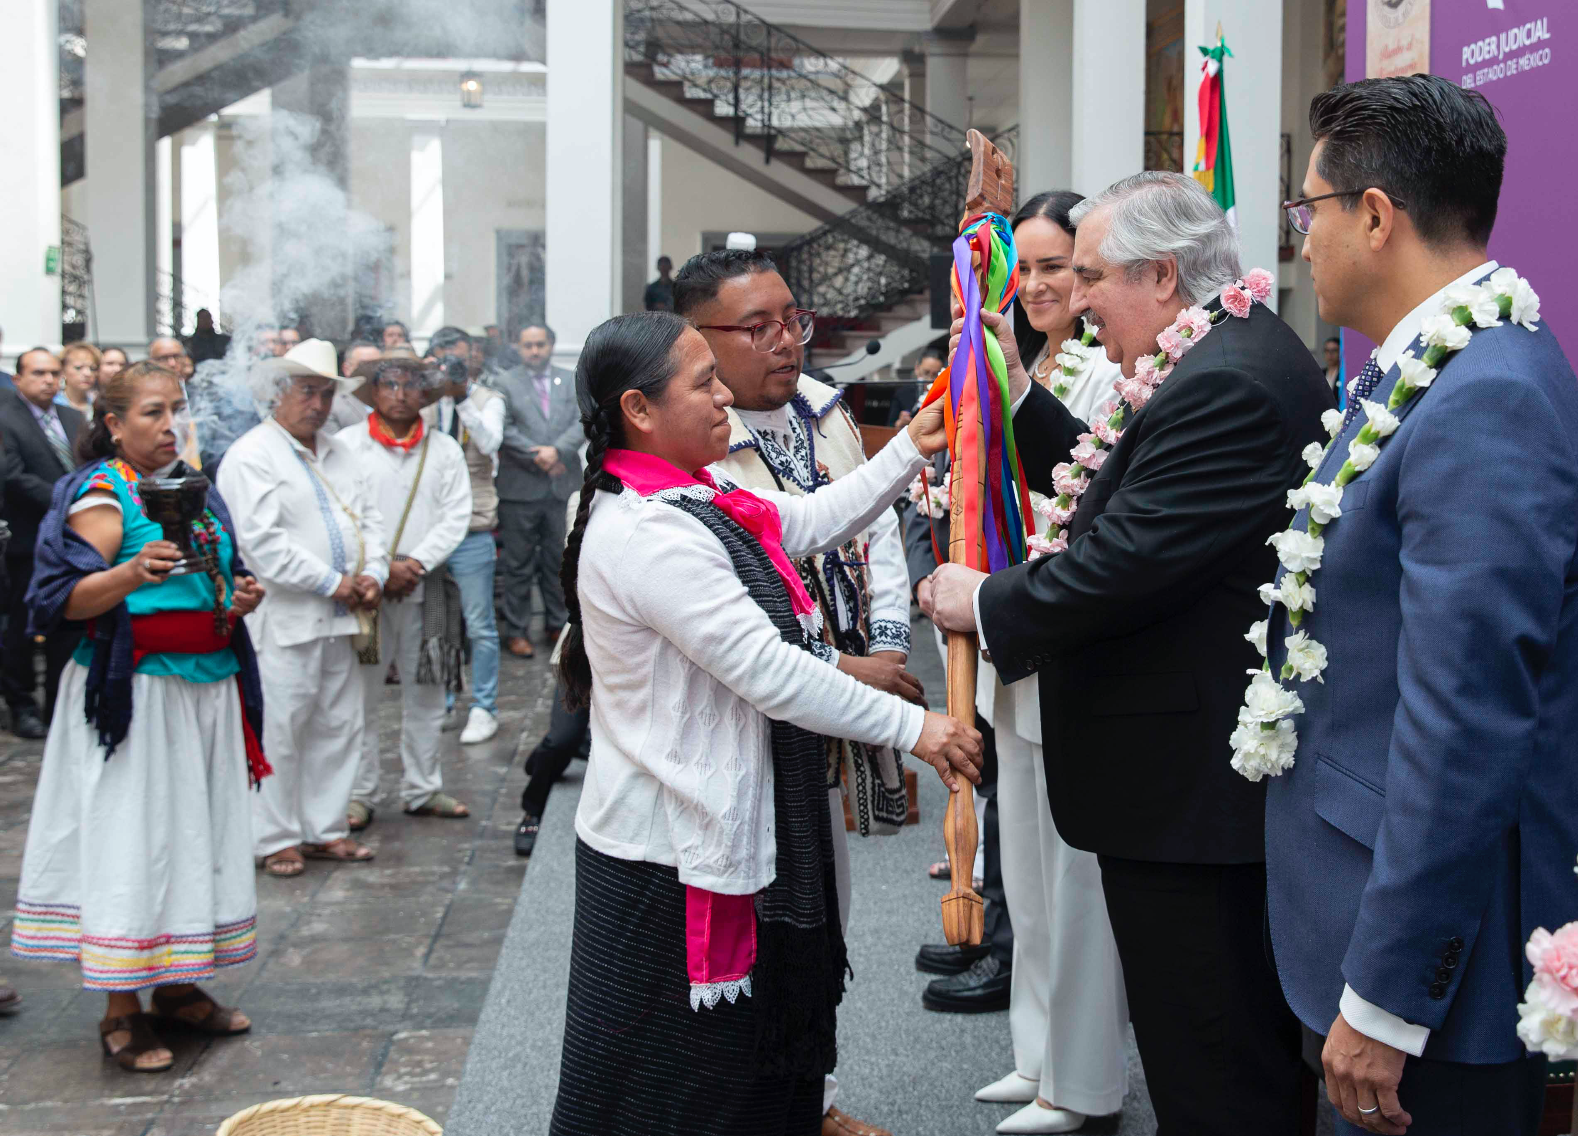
(139, 868)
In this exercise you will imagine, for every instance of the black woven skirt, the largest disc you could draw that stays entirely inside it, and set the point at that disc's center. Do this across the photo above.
(638, 1061)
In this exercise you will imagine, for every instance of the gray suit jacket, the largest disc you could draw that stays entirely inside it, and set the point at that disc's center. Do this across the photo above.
(525, 428)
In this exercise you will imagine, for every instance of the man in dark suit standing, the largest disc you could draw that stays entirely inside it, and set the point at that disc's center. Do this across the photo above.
(539, 467)
(37, 436)
(1137, 633)
(1428, 821)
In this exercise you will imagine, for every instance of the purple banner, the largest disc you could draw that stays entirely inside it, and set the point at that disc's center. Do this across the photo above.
(1519, 54)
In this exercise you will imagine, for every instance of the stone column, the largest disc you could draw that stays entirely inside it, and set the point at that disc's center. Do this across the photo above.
(197, 172)
(947, 79)
(30, 193)
(1254, 113)
(120, 123)
(427, 232)
(654, 199)
(1108, 74)
(633, 222)
(915, 94)
(583, 260)
(1044, 159)
(311, 143)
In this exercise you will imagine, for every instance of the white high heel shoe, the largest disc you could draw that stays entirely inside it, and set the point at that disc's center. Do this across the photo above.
(1033, 1120)
(1012, 1089)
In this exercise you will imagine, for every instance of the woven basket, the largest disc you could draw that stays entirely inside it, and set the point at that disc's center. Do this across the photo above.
(329, 1114)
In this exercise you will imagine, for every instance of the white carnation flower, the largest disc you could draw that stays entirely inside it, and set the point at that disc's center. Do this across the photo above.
(1325, 502)
(1414, 371)
(1312, 455)
(1257, 636)
(1298, 551)
(1291, 595)
(1068, 361)
(1332, 420)
(1363, 454)
(1267, 700)
(1543, 1027)
(1480, 302)
(1306, 656)
(1261, 753)
(1444, 331)
(1072, 347)
(1525, 301)
(1382, 421)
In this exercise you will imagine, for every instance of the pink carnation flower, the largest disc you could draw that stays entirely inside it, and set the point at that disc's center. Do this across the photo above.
(1236, 300)
(1061, 514)
(1105, 432)
(1065, 482)
(1258, 282)
(1145, 369)
(1556, 955)
(1110, 407)
(1197, 320)
(1087, 447)
(1135, 393)
(1174, 344)
(1042, 546)
(1097, 460)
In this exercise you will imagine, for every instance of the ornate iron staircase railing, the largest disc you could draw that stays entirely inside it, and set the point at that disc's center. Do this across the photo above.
(875, 257)
(782, 95)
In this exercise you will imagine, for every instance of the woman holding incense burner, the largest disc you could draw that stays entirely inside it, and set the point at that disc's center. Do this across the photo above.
(138, 858)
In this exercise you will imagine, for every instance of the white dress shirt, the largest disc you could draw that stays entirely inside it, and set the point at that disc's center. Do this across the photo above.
(1364, 1016)
(441, 507)
(303, 521)
(689, 673)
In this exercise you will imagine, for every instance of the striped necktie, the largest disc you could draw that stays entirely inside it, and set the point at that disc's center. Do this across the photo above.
(56, 434)
(1362, 387)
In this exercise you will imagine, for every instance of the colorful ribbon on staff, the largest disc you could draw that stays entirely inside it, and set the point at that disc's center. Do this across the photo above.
(975, 383)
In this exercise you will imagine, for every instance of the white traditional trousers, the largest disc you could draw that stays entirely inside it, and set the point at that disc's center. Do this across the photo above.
(312, 733)
(1067, 1012)
(422, 709)
(835, 812)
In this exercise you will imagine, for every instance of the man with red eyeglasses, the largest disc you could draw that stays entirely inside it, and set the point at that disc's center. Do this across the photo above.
(793, 433)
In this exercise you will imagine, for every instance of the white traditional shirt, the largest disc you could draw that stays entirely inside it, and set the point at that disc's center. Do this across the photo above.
(689, 672)
(440, 504)
(786, 447)
(304, 521)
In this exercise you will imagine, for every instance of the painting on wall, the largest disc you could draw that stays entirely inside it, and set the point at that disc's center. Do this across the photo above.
(1164, 90)
(1397, 38)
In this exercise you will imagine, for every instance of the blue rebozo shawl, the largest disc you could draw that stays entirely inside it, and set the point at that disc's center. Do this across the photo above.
(60, 560)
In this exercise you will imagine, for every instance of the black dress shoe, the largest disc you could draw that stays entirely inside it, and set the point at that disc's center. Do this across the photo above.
(526, 834)
(25, 723)
(980, 990)
(942, 958)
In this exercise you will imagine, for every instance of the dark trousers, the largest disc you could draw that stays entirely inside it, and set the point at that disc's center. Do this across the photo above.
(1220, 1047)
(998, 930)
(17, 675)
(1448, 1099)
(569, 736)
(532, 533)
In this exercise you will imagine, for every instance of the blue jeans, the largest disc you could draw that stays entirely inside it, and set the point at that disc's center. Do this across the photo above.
(472, 567)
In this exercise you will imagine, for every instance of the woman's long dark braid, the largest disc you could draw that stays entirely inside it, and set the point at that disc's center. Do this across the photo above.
(575, 671)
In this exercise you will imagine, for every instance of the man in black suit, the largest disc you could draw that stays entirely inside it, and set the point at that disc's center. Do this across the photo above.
(37, 436)
(1137, 633)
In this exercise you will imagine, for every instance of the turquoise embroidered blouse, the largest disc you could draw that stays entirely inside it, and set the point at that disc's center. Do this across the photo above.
(194, 592)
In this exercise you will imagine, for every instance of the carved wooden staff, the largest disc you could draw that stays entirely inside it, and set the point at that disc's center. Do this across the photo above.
(989, 190)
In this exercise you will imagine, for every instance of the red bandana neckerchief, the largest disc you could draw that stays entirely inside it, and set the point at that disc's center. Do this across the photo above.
(381, 435)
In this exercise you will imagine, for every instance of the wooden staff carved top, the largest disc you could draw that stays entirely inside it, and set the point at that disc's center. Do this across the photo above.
(989, 190)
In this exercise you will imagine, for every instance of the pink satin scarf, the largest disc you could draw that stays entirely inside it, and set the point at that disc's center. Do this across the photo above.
(647, 475)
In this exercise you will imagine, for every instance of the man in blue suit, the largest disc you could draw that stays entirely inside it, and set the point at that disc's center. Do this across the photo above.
(1430, 819)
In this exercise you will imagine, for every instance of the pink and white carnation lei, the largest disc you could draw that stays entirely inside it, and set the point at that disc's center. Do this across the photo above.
(1071, 479)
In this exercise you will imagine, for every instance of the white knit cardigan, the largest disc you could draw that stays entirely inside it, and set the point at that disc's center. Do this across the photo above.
(687, 670)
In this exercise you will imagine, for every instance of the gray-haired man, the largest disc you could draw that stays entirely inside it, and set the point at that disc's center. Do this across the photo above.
(1136, 631)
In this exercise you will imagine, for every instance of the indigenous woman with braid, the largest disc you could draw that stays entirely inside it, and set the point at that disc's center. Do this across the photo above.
(138, 864)
(707, 962)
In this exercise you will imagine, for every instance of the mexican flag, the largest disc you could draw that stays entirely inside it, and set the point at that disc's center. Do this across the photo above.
(1213, 162)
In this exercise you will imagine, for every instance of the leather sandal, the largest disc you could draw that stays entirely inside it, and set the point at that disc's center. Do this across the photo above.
(344, 849)
(220, 1021)
(440, 805)
(284, 864)
(133, 1056)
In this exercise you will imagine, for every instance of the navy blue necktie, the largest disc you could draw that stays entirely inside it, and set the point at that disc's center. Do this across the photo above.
(1363, 387)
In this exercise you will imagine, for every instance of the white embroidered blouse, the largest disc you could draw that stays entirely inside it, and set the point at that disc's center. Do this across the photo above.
(687, 671)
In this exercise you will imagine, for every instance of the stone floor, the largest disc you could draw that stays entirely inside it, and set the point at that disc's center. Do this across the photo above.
(369, 978)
